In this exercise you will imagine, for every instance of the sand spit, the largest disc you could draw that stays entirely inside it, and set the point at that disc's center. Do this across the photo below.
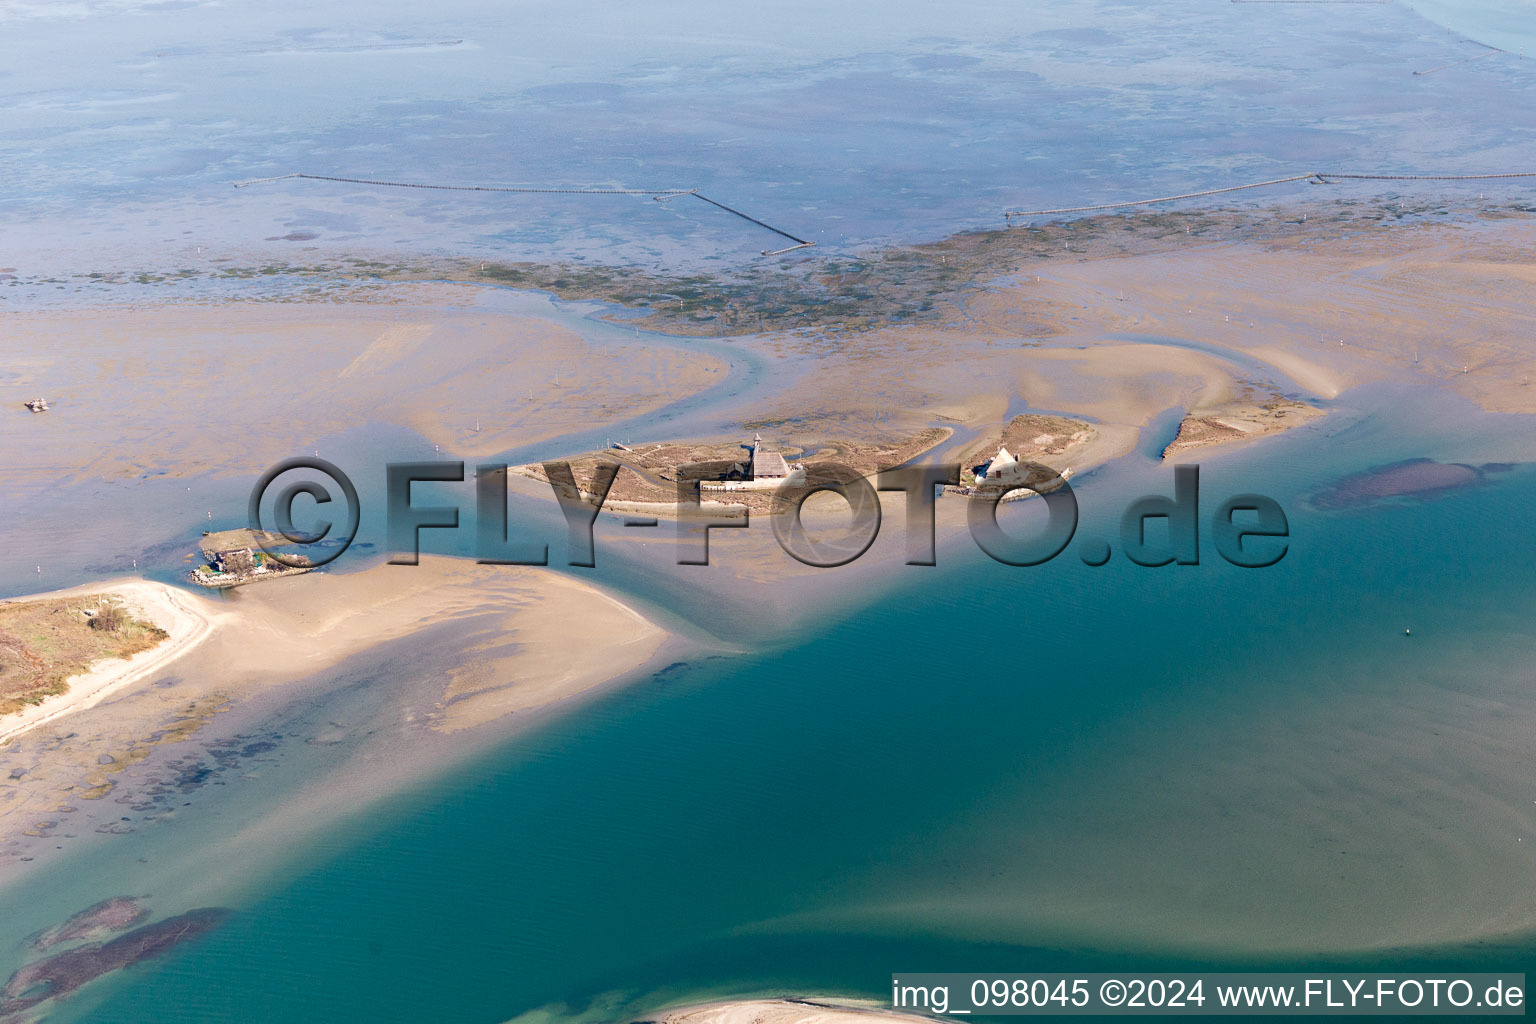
(118, 765)
(187, 620)
(547, 667)
(784, 1011)
(1239, 421)
(301, 626)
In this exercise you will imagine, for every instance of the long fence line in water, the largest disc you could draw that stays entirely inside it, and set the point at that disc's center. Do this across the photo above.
(1465, 60)
(663, 194)
(658, 194)
(1316, 177)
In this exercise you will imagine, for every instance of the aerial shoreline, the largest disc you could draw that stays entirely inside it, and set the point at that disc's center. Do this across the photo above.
(267, 646)
(1108, 343)
(806, 1010)
(165, 606)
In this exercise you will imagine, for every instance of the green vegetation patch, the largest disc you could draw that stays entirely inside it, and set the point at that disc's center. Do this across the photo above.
(43, 643)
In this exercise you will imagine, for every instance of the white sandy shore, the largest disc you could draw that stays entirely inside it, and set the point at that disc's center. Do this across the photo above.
(287, 642)
(186, 619)
(299, 630)
(785, 1011)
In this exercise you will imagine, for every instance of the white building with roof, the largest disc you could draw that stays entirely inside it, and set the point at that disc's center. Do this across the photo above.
(762, 471)
(765, 465)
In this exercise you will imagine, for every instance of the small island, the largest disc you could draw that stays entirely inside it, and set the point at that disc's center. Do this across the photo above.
(237, 557)
(1017, 466)
(729, 473)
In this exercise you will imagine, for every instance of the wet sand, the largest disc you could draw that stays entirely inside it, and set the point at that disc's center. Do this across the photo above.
(182, 390)
(187, 621)
(58, 975)
(1116, 330)
(69, 776)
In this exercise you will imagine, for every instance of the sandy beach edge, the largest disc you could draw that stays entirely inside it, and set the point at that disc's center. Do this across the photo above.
(175, 611)
(289, 642)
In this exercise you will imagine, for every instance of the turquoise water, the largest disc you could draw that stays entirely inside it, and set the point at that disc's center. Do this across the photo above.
(813, 819)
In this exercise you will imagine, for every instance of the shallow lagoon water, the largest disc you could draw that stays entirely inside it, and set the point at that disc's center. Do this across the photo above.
(853, 126)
